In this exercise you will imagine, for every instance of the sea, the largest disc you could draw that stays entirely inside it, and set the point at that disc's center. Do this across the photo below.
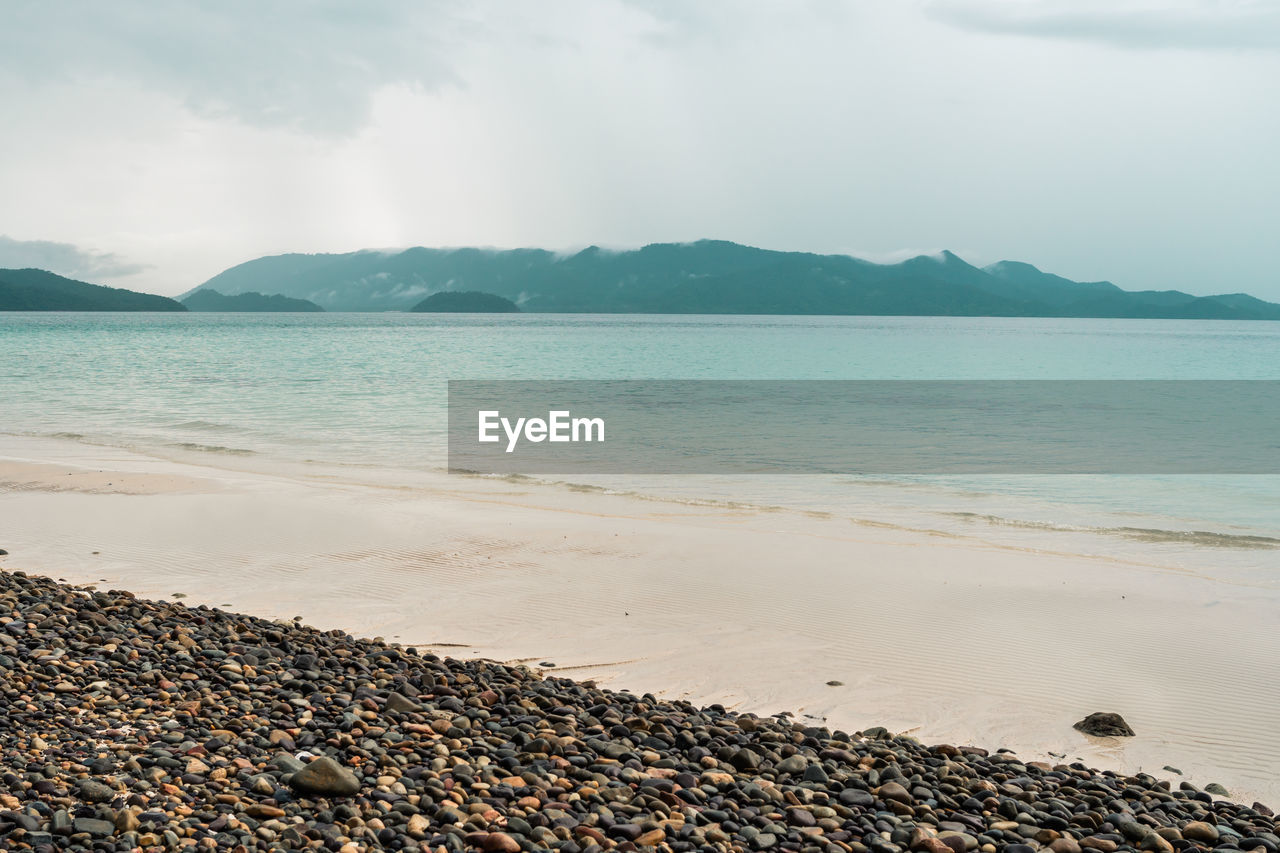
(365, 395)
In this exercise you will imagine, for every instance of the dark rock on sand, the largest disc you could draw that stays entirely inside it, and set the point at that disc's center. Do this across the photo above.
(1102, 724)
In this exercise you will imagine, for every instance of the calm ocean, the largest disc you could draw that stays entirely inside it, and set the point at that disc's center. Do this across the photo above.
(366, 392)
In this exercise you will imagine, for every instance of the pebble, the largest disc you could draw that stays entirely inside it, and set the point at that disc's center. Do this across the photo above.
(152, 726)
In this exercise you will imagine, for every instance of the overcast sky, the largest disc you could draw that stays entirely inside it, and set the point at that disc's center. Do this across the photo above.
(151, 144)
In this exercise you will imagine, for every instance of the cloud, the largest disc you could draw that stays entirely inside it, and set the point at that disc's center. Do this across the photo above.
(64, 259)
(1135, 24)
(309, 66)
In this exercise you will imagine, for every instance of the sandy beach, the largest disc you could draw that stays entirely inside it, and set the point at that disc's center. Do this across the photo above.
(951, 639)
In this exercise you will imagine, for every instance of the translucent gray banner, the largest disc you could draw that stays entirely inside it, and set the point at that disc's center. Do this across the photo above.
(864, 427)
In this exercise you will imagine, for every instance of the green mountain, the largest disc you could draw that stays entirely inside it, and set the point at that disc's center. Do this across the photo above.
(208, 299)
(464, 302)
(38, 290)
(714, 277)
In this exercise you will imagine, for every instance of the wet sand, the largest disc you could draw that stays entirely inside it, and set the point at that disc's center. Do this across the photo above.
(946, 637)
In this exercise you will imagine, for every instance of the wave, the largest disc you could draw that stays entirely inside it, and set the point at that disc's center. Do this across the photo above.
(1156, 535)
(212, 448)
(207, 425)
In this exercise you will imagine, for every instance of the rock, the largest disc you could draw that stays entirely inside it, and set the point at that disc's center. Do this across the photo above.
(745, 759)
(856, 797)
(326, 777)
(96, 828)
(793, 765)
(625, 831)
(262, 811)
(1101, 724)
(801, 817)
(1217, 790)
(1200, 831)
(932, 845)
(500, 842)
(894, 791)
(26, 821)
(398, 703)
(1102, 845)
(95, 792)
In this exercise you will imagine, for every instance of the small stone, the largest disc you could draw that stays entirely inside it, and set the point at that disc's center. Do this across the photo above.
(262, 811)
(793, 765)
(1217, 790)
(95, 792)
(326, 777)
(398, 703)
(650, 838)
(1155, 844)
(500, 842)
(1200, 831)
(1102, 845)
(894, 791)
(93, 826)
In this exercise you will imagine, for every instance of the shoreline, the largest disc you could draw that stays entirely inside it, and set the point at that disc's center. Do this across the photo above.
(954, 640)
(157, 726)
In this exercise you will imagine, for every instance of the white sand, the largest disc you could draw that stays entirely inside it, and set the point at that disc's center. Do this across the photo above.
(949, 638)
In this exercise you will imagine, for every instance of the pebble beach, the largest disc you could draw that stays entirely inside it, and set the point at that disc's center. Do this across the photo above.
(131, 724)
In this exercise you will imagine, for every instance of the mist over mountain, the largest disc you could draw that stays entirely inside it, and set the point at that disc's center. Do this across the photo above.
(712, 277)
(39, 290)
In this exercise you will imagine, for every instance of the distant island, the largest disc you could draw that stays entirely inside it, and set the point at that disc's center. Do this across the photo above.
(713, 277)
(466, 301)
(38, 290)
(208, 299)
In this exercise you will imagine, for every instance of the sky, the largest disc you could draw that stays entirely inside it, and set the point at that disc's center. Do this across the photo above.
(151, 145)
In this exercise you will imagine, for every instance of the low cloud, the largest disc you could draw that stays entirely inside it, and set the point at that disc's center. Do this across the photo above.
(307, 66)
(64, 259)
(1135, 24)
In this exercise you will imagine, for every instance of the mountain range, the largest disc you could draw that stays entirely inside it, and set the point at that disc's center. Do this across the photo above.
(39, 290)
(712, 277)
(709, 276)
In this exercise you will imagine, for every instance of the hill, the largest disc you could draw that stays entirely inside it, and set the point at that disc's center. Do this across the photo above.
(714, 277)
(208, 299)
(466, 301)
(38, 290)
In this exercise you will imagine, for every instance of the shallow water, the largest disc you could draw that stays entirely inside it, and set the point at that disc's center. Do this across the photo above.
(365, 393)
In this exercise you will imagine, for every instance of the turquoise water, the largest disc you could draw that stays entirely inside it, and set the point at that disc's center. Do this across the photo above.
(369, 390)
